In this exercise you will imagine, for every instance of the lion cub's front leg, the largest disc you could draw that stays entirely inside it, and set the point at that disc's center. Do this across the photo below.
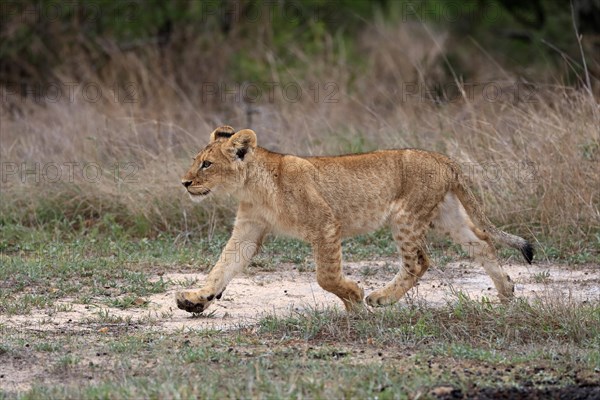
(242, 246)
(198, 300)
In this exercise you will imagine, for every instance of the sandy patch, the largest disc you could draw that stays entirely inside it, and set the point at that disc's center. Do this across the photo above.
(253, 295)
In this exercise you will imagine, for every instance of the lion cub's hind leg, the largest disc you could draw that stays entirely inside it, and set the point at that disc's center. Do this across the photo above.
(409, 233)
(328, 256)
(454, 221)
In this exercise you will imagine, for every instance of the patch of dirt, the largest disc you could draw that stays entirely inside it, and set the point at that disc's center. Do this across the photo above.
(255, 294)
(17, 376)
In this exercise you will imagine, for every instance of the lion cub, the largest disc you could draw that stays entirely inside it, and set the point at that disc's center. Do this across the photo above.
(323, 199)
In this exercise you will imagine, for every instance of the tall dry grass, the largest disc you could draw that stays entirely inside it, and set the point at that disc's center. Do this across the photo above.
(532, 151)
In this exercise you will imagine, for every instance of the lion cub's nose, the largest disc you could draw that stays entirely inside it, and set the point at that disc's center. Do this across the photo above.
(186, 183)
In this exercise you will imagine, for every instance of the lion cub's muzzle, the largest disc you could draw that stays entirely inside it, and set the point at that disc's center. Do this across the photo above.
(195, 191)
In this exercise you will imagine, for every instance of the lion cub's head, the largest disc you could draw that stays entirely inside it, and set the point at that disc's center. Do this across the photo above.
(221, 166)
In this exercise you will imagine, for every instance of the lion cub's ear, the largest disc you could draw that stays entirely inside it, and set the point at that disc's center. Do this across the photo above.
(222, 132)
(242, 142)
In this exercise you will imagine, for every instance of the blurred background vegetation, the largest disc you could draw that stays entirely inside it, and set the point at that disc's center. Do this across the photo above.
(485, 81)
(43, 39)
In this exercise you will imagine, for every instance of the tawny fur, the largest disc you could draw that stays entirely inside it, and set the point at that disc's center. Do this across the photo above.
(323, 199)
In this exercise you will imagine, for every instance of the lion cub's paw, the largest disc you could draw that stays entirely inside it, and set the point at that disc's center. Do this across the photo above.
(379, 299)
(506, 289)
(195, 301)
(353, 300)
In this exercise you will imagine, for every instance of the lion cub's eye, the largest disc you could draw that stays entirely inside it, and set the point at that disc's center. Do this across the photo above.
(205, 164)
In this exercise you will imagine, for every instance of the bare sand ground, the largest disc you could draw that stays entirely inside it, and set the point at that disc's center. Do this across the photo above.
(255, 294)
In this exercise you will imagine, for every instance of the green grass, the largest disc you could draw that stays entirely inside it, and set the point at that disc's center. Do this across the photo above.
(520, 323)
(396, 352)
(40, 269)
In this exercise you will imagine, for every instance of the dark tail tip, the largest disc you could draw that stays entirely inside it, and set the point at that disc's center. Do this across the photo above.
(527, 251)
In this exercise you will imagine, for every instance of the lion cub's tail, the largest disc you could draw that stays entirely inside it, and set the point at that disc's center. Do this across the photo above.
(472, 207)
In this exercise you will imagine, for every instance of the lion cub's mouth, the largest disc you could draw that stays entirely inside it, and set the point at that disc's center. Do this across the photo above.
(199, 192)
